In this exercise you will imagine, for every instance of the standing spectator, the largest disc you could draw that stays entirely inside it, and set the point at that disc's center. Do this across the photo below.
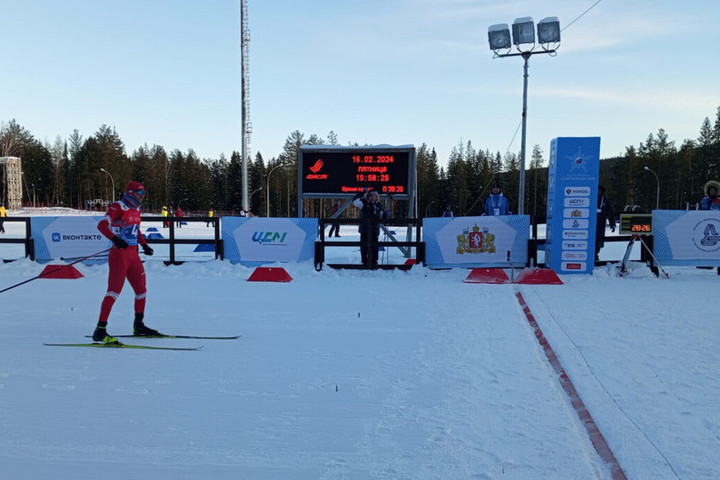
(211, 214)
(447, 213)
(121, 224)
(496, 203)
(335, 226)
(3, 214)
(604, 214)
(179, 215)
(164, 213)
(711, 200)
(370, 211)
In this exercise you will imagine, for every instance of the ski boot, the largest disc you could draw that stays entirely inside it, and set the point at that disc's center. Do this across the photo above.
(100, 335)
(142, 330)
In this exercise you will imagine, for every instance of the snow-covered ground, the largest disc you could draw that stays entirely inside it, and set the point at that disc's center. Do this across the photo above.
(360, 374)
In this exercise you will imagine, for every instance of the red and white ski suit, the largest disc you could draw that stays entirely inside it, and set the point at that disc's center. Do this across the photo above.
(123, 221)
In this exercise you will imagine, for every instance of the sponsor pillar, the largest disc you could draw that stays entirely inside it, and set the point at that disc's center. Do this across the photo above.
(571, 205)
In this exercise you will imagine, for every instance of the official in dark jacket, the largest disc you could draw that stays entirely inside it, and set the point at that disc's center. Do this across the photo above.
(604, 214)
(370, 209)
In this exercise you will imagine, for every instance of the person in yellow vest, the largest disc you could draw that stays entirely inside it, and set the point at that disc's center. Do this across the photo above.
(164, 213)
(211, 214)
(3, 214)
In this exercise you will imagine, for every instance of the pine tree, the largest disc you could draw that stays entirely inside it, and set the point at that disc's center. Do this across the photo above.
(257, 174)
(539, 184)
(57, 152)
(707, 134)
(428, 178)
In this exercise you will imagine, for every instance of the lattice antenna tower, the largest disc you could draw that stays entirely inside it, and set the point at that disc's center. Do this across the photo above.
(11, 172)
(246, 125)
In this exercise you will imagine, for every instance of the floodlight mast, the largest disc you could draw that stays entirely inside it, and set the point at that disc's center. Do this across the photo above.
(523, 38)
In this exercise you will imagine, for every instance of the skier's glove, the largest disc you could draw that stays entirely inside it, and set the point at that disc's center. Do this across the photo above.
(147, 249)
(119, 242)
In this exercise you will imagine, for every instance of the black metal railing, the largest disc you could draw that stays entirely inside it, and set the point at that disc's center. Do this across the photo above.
(27, 240)
(173, 241)
(410, 227)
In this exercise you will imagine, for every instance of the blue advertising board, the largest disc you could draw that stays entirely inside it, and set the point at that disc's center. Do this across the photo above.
(686, 237)
(68, 238)
(256, 241)
(571, 205)
(485, 241)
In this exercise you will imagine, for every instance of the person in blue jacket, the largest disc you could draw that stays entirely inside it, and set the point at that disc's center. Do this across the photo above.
(496, 203)
(711, 200)
(370, 209)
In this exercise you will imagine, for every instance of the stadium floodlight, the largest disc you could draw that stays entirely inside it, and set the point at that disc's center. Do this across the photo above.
(499, 37)
(548, 32)
(523, 32)
(523, 38)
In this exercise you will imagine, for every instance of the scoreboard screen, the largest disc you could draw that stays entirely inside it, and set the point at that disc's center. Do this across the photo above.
(636, 223)
(333, 171)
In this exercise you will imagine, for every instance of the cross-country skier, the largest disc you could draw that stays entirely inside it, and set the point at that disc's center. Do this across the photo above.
(121, 224)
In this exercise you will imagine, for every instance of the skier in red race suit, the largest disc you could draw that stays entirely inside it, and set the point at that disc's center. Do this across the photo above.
(121, 224)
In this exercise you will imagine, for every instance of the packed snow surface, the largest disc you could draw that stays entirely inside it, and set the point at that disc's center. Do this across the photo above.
(348, 374)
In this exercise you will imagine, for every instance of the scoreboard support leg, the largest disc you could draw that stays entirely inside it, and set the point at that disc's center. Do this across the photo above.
(626, 257)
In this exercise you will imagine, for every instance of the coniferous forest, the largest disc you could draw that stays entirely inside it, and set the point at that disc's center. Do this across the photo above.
(76, 172)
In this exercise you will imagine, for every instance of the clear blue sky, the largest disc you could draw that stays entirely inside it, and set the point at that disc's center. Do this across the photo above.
(167, 72)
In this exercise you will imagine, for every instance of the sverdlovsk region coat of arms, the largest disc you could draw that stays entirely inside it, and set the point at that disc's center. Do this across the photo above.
(476, 241)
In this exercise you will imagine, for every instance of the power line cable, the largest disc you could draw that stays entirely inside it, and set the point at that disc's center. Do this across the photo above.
(581, 15)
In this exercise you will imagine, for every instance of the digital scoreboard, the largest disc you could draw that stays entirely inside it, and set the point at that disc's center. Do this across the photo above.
(334, 171)
(636, 223)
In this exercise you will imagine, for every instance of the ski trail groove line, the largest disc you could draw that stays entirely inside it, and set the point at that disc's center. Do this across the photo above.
(596, 437)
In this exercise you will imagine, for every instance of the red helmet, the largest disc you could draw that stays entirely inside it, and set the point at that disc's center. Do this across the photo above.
(134, 186)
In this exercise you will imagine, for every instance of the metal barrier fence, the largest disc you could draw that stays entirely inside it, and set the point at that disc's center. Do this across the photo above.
(412, 228)
(413, 248)
(27, 240)
(173, 241)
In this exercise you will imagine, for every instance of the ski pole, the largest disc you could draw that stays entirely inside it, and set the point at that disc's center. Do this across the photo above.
(43, 274)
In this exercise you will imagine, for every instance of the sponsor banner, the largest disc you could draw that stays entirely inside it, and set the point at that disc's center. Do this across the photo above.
(571, 205)
(255, 240)
(575, 234)
(573, 245)
(583, 225)
(68, 238)
(576, 212)
(686, 237)
(572, 256)
(577, 202)
(574, 266)
(484, 241)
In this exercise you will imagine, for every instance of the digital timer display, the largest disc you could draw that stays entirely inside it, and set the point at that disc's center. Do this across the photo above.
(333, 171)
(636, 223)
